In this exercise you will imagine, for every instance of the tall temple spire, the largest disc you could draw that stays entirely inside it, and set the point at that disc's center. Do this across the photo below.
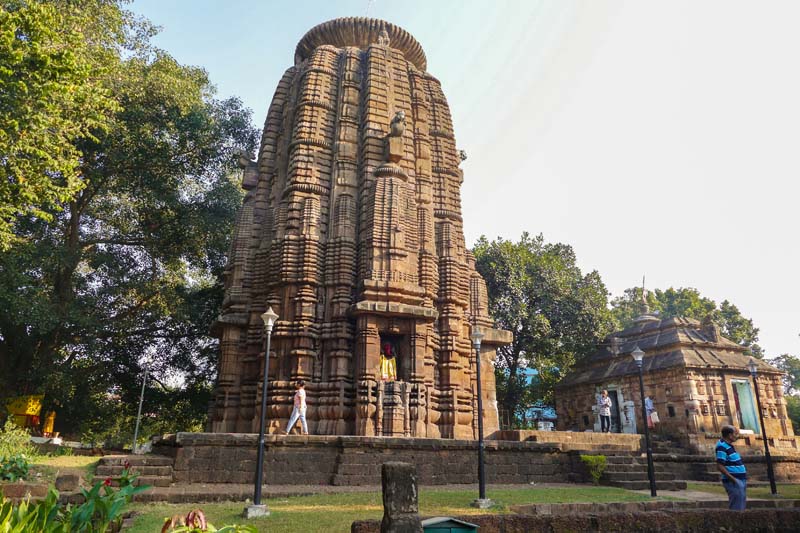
(351, 229)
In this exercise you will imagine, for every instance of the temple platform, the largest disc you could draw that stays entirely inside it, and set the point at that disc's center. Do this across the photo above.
(356, 461)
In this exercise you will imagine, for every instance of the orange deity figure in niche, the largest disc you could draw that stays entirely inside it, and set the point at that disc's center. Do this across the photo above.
(388, 363)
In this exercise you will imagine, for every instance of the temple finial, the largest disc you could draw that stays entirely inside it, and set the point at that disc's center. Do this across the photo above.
(645, 307)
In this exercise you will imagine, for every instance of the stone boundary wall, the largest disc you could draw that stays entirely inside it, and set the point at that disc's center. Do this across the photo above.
(339, 460)
(702, 467)
(747, 444)
(574, 440)
(692, 521)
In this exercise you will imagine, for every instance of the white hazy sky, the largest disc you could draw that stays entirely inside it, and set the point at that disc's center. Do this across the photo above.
(657, 138)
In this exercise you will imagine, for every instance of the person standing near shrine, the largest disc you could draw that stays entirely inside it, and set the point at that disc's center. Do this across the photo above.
(604, 406)
(299, 410)
(652, 416)
(730, 465)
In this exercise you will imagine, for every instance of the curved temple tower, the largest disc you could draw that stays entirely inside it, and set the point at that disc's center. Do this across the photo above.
(351, 231)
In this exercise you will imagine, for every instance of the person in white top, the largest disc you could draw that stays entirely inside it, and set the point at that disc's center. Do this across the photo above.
(299, 410)
(604, 406)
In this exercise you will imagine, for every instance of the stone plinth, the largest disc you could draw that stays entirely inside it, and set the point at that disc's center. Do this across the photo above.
(333, 460)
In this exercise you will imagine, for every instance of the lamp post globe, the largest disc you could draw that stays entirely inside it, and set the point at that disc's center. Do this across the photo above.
(752, 366)
(482, 502)
(257, 508)
(638, 356)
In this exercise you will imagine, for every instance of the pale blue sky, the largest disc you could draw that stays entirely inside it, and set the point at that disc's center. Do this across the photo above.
(656, 138)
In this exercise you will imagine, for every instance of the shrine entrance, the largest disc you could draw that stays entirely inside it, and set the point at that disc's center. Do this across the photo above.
(745, 405)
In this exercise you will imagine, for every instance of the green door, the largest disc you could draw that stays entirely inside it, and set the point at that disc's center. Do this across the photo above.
(745, 404)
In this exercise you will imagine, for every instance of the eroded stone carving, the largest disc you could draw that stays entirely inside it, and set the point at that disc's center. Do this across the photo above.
(351, 231)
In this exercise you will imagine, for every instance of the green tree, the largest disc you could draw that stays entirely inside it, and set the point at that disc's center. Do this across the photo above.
(689, 303)
(793, 410)
(791, 386)
(52, 96)
(791, 365)
(131, 265)
(556, 313)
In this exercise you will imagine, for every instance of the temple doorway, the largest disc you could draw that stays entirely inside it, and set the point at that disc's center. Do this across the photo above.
(616, 425)
(745, 405)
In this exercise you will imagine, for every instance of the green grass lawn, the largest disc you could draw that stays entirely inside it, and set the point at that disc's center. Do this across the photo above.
(50, 466)
(335, 512)
(785, 490)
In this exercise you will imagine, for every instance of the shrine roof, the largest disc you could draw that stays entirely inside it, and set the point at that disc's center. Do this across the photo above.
(667, 343)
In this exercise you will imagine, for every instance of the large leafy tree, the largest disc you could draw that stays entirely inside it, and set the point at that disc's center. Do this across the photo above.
(129, 267)
(688, 302)
(791, 365)
(556, 313)
(52, 96)
(791, 385)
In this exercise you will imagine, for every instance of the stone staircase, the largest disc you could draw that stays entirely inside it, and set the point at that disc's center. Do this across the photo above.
(663, 444)
(155, 470)
(630, 472)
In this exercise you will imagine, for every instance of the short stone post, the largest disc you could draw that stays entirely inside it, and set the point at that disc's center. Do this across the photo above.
(400, 504)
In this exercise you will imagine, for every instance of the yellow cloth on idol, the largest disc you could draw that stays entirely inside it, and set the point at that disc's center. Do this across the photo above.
(388, 368)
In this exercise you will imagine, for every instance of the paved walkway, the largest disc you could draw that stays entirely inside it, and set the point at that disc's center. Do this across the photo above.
(205, 492)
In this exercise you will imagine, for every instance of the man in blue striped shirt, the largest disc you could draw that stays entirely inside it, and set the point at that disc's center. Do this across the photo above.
(730, 465)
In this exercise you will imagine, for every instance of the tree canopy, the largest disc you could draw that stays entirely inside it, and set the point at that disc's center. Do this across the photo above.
(688, 303)
(53, 95)
(128, 264)
(556, 313)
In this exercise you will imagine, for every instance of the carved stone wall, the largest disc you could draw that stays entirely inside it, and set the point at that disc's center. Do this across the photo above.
(690, 372)
(351, 231)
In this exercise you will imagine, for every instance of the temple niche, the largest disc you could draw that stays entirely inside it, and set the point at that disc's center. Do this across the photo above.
(351, 230)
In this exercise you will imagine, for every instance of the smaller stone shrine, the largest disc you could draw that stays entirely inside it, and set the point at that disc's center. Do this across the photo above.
(698, 380)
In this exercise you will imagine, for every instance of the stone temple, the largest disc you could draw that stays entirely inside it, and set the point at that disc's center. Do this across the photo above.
(351, 230)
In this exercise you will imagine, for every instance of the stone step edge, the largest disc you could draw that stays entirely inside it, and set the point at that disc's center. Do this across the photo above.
(136, 460)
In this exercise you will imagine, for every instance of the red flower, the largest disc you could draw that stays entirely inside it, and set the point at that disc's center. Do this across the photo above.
(127, 465)
(107, 482)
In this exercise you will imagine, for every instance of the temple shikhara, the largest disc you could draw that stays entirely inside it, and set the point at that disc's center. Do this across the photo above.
(351, 230)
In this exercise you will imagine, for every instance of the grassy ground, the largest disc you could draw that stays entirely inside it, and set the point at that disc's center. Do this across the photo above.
(785, 490)
(51, 466)
(335, 512)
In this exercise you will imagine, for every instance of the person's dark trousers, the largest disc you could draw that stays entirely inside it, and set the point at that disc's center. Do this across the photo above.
(605, 423)
(737, 494)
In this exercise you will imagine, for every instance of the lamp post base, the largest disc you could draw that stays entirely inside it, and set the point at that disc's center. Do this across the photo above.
(255, 511)
(482, 503)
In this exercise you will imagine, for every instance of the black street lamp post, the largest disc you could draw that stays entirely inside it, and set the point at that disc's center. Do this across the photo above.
(638, 354)
(257, 508)
(753, 367)
(482, 502)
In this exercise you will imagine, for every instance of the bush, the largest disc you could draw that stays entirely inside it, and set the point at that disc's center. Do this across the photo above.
(14, 467)
(596, 465)
(101, 512)
(15, 441)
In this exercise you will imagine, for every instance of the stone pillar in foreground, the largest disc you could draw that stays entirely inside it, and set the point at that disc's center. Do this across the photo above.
(400, 499)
